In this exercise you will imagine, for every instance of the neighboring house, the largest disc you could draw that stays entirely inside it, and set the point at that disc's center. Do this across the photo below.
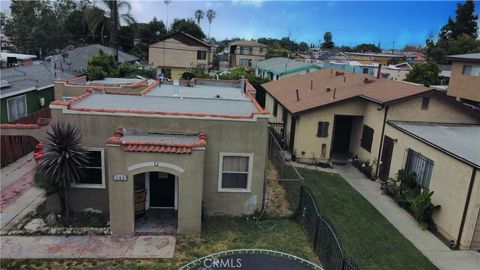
(197, 147)
(27, 89)
(246, 53)
(352, 66)
(370, 58)
(332, 112)
(176, 53)
(465, 78)
(396, 72)
(280, 67)
(446, 158)
(74, 61)
(5, 43)
(16, 59)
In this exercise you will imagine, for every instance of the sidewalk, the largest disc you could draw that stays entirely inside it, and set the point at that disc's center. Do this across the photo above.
(94, 246)
(18, 196)
(437, 252)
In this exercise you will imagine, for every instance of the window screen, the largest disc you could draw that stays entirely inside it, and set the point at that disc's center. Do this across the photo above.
(367, 138)
(471, 70)
(201, 55)
(421, 165)
(235, 172)
(17, 108)
(93, 171)
(322, 129)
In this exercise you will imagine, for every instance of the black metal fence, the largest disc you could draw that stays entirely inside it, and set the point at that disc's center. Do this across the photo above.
(278, 130)
(322, 235)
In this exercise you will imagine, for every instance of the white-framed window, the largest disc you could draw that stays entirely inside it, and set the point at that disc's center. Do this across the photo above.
(471, 70)
(94, 171)
(235, 172)
(16, 107)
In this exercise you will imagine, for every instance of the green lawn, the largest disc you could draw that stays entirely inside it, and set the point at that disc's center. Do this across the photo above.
(218, 234)
(366, 235)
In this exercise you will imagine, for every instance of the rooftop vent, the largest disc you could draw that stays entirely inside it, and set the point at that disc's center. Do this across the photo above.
(367, 80)
(338, 73)
(328, 89)
(176, 88)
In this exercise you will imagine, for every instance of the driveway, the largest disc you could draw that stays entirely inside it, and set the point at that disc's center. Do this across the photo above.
(18, 196)
(437, 252)
(94, 246)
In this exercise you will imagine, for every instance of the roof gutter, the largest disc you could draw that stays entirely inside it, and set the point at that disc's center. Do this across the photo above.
(465, 209)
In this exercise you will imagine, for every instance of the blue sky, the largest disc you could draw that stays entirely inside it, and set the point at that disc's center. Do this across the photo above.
(351, 22)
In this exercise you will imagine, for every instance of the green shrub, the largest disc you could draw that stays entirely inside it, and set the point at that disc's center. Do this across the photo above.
(423, 209)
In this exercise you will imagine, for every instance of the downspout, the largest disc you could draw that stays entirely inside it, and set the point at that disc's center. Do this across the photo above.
(465, 209)
(381, 140)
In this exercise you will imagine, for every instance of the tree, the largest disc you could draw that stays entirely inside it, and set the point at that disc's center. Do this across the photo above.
(188, 26)
(152, 31)
(413, 48)
(424, 73)
(327, 41)
(367, 47)
(63, 160)
(101, 66)
(211, 14)
(199, 14)
(466, 20)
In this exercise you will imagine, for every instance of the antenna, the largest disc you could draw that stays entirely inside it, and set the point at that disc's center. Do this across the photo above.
(166, 3)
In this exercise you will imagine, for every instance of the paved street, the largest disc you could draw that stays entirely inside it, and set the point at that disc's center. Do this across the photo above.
(61, 247)
(18, 196)
(437, 252)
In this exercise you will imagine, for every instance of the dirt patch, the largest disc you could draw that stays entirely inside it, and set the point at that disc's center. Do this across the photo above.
(277, 205)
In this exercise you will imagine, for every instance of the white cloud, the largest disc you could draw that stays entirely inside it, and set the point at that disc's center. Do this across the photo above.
(254, 3)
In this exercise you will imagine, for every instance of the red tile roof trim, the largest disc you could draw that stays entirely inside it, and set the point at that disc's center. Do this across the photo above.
(150, 87)
(157, 147)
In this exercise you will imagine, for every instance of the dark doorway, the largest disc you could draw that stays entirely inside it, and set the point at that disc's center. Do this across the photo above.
(162, 190)
(386, 158)
(293, 127)
(342, 132)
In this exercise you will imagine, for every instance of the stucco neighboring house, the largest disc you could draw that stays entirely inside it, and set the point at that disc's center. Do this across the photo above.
(176, 53)
(331, 113)
(246, 53)
(446, 158)
(195, 146)
(370, 58)
(27, 89)
(16, 59)
(280, 67)
(74, 61)
(465, 77)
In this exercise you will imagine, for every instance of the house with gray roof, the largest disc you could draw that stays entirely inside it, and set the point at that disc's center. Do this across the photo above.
(279, 67)
(75, 61)
(27, 89)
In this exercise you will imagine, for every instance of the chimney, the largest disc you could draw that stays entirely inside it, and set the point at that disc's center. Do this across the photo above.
(379, 70)
(298, 97)
(328, 89)
(311, 85)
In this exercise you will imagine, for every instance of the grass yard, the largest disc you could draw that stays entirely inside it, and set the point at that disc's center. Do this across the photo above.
(218, 234)
(366, 235)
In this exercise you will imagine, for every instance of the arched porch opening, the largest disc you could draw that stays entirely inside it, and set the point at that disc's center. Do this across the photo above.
(156, 202)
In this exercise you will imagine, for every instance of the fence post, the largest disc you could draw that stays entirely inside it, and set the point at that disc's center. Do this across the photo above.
(343, 263)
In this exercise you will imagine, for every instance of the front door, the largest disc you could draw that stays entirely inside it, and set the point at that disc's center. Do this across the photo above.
(386, 158)
(162, 190)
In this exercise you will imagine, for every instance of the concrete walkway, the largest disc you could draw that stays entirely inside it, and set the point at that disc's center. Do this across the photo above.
(75, 247)
(437, 252)
(18, 196)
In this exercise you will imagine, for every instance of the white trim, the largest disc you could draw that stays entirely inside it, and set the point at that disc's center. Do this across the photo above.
(155, 164)
(249, 177)
(26, 107)
(95, 186)
(147, 188)
(26, 90)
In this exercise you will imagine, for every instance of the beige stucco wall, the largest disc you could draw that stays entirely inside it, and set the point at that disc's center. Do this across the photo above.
(222, 135)
(173, 53)
(449, 182)
(256, 55)
(62, 89)
(462, 86)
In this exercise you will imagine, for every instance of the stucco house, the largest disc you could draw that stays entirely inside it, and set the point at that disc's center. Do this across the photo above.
(176, 53)
(193, 146)
(246, 53)
(280, 67)
(465, 77)
(329, 115)
(446, 158)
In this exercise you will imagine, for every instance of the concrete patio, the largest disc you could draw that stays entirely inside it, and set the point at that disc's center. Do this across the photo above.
(76, 247)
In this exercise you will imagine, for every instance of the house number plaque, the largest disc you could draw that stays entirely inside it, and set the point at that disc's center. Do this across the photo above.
(119, 177)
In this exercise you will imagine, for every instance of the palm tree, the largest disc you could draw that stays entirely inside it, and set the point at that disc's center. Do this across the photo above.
(63, 160)
(108, 14)
(199, 14)
(210, 16)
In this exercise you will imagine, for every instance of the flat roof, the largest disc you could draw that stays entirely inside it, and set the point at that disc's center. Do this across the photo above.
(283, 65)
(116, 81)
(458, 140)
(199, 91)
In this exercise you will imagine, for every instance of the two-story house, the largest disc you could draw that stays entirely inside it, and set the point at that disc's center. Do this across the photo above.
(246, 53)
(465, 77)
(176, 53)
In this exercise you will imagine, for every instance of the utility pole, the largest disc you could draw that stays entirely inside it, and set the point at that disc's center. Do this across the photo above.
(166, 3)
(393, 47)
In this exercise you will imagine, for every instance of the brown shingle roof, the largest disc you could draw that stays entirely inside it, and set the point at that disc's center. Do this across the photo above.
(313, 89)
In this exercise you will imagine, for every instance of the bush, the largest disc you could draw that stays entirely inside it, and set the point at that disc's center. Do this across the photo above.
(423, 209)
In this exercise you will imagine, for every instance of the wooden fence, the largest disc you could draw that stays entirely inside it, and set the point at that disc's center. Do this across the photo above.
(15, 147)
